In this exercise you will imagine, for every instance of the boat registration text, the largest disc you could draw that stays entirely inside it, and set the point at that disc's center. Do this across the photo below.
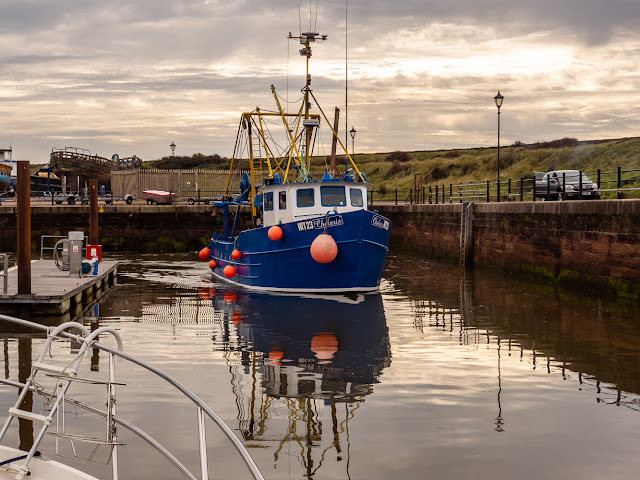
(334, 221)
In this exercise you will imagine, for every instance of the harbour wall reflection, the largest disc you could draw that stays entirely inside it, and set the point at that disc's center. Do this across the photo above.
(557, 329)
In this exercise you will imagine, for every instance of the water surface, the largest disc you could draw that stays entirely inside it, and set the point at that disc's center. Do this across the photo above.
(440, 375)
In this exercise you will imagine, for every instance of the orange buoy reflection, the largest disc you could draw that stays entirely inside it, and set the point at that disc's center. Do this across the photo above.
(325, 346)
(276, 355)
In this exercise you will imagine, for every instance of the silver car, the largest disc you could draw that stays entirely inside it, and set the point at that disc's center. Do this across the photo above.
(565, 184)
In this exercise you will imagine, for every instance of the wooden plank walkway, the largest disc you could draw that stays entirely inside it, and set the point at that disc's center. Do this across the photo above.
(54, 292)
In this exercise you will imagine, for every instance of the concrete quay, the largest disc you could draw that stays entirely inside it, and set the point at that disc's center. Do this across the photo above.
(54, 292)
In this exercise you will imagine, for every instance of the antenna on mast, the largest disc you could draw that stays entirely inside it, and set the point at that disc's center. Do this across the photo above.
(315, 27)
(346, 72)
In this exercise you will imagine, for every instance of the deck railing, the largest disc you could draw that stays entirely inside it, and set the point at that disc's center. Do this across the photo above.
(202, 409)
(615, 184)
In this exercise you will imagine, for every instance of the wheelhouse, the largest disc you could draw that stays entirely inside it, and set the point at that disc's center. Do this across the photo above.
(290, 202)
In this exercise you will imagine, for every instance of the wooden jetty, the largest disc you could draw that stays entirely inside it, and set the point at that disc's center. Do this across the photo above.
(55, 292)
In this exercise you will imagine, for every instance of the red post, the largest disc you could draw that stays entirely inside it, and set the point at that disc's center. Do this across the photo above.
(24, 228)
(93, 212)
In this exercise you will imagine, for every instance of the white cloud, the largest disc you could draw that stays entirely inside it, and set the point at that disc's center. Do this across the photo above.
(128, 77)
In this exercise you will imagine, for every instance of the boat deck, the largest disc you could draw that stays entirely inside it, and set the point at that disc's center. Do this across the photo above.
(53, 291)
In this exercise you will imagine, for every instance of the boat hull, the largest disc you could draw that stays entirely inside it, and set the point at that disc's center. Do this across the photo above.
(5, 177)
(41, 469)
(286, 265)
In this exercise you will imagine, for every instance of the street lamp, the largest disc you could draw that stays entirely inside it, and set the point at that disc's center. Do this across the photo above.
(353, 141)
(498, 98)
(173, 149)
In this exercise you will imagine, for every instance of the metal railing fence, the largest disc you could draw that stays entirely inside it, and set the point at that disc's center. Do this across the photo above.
(615, 184)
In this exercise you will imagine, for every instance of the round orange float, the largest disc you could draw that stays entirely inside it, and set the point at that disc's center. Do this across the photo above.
(236, 254)
(213, 264)
(275, 233)
(205, 253)
(324, 248)
(230, 271)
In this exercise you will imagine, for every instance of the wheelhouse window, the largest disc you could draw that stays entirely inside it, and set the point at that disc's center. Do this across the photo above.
(282, 200)
(268, 201)
(333, 196)
(305, 197)
(356, 197)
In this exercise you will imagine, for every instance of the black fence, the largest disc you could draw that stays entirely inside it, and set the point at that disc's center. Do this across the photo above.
(539, 187)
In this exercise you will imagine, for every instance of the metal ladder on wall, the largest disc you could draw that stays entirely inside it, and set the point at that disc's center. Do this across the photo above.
(466, 236)
(64, 376)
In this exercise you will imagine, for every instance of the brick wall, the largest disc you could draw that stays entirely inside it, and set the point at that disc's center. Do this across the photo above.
(596, 243)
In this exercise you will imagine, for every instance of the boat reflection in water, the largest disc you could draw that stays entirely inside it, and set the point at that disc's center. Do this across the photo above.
(291, 357)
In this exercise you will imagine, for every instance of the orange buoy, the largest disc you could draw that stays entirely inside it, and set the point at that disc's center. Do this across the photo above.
(236, 318)
(275, 233)
(230, 297)
(230, 271)
(236, 254)
(205, 253)
(324, 248)
(213, 264)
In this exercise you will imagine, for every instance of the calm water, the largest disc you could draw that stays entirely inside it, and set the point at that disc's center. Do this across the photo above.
(437, 376)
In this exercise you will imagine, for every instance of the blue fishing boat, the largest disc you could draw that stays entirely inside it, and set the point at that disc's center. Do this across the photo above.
(306, 235)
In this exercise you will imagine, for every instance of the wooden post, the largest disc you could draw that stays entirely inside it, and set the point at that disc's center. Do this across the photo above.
(332, 162)
(93, 212)
(24, 228)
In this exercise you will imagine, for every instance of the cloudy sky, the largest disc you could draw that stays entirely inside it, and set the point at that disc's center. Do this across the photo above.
(130, 77)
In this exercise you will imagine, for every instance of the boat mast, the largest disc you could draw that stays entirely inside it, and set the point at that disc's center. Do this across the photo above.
(306, 39)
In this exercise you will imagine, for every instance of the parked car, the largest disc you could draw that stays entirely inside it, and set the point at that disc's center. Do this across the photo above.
(70, 198)
(565, 184)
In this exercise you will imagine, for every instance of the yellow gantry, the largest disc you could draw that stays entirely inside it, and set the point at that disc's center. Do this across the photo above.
(299, 134)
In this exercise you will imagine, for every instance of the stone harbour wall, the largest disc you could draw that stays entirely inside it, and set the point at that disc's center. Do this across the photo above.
(593, 243)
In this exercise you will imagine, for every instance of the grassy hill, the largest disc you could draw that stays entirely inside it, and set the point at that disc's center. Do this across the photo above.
(388, 171)
(398, 170)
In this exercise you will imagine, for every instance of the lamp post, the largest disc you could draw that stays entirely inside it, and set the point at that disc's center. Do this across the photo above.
(353, 141)
(498, 98)
(173, 149)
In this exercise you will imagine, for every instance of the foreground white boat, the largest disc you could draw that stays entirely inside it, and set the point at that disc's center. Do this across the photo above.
(51, 380)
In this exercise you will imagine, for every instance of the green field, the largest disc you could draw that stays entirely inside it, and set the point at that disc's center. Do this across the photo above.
(401, 170)
(398, 170)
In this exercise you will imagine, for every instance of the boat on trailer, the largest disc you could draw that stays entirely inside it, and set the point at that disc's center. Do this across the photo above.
(51, 380)
(307, 235)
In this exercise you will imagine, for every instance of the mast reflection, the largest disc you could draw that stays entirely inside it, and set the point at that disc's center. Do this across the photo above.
(308, 359)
